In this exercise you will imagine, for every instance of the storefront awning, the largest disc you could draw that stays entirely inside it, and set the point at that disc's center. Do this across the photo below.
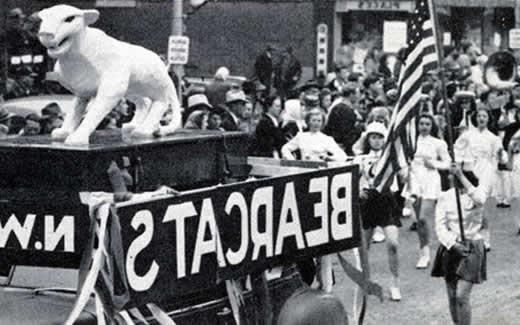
(476, 3)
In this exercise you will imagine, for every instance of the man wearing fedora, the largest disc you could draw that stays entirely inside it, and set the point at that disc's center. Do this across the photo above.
(196, 102)
(52, 118)
(235, 104)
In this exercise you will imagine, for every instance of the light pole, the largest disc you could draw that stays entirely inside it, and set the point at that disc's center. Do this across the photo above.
(177, 27)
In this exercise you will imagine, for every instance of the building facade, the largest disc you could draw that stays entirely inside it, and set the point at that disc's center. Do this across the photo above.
(233, 32)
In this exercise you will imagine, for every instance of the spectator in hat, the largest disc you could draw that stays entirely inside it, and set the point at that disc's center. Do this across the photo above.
(32, 125)
(196, 102)
(216, 90)
(5, 117)
(51, 118)
(311, 101)
(235, 104)
(198, 120)
(264, 68)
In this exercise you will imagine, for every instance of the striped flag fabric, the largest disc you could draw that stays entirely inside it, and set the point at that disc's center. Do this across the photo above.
(421, 57)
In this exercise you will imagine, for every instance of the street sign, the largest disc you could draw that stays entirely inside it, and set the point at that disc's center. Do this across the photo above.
(514, 38)
(322, 49)
(178, 49)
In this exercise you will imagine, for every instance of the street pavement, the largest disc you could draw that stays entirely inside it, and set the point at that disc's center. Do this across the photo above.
(496, 301)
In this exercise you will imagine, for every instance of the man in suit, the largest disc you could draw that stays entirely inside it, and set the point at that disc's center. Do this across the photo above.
(342, 120)
(235, 102)
(264, 68)
(268, 135)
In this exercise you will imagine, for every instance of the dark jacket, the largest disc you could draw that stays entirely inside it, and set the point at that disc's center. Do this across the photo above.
(228, 123)
(341, 125)
(216, 92)
(268, 137)
(264, 69)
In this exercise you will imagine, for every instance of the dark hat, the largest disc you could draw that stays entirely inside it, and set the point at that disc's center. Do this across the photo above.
(369, 80)
(5, 114)
(311, 84)
(311, 100)
(33, 117)
(51, 110)
(465, 94)
(235, 95)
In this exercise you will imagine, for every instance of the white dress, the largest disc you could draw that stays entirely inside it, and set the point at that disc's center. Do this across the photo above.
(480, 149)
(515, 177)
(425, 182)
(313, 146)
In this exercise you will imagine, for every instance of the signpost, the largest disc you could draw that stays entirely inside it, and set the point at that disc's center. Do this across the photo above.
(178, 50)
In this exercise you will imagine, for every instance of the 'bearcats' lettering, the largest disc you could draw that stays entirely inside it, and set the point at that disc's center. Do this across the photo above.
(22, 233)
(178, 213)
(202, 247)
(138, 282)
(64, 230)
(237, 200)
(262, 197)
(321, 210)
(286, 228)
(341, 205)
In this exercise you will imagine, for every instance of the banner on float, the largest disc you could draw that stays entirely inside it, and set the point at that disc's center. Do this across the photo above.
(179, 245)
(46, 232)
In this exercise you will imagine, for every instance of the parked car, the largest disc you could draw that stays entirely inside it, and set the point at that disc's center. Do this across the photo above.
(24, 106)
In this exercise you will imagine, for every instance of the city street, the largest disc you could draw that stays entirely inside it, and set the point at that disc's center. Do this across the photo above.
(497, 301)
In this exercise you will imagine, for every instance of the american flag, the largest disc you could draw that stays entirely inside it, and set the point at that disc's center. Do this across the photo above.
(421, 57)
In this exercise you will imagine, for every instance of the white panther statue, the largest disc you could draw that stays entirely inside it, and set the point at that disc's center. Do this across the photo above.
(100, 71)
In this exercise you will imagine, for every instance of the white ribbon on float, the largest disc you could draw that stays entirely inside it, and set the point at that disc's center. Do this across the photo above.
(102, 211)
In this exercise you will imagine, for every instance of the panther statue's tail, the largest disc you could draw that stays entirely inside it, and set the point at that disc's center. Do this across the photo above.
(175, 106)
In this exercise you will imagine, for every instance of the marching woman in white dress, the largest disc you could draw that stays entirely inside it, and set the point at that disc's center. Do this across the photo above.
(481, 148)
(424, 185)
(315, 145)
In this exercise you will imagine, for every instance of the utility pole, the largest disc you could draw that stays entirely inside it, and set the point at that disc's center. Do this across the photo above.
(177, 27)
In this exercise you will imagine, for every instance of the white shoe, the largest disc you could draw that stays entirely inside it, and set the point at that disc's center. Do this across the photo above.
(423, 262)
(395, 294)
(379, 236)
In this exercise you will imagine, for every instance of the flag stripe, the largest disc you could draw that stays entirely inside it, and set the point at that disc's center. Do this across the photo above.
(421, 57)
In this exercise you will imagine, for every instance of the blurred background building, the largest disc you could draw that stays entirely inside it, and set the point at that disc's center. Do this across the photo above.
(233, 32)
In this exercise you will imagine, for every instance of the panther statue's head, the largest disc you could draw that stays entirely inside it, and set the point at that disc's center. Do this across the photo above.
(62, 27)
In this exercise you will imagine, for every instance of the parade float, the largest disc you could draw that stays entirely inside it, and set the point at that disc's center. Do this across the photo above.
(174, 228)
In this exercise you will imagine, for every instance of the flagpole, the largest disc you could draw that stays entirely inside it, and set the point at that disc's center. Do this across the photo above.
(440, 55)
